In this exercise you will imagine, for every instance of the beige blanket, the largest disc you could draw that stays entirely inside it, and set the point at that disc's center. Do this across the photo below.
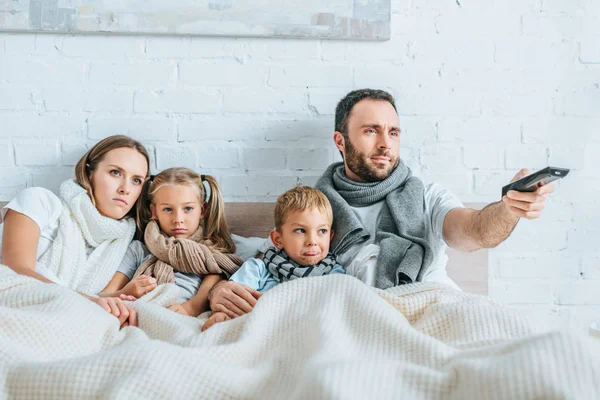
(326, 337)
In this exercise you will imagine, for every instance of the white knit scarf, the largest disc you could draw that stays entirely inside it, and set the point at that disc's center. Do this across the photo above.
(81, 225)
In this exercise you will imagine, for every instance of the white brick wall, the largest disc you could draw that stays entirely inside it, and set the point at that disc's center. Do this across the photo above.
(483, 90)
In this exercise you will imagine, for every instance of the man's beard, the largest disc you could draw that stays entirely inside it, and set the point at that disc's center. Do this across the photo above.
(357, 163)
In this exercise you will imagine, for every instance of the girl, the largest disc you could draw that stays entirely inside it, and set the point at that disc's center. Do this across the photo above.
(79, 238)
(177, 247)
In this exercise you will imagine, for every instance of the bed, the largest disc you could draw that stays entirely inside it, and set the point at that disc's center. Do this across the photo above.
(326, 337)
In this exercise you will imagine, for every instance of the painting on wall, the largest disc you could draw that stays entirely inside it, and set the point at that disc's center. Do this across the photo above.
(321, 19)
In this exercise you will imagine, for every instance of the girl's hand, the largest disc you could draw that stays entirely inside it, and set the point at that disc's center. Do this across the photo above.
(139, 286)
(115, 306)
(215, 319)
(183, 309)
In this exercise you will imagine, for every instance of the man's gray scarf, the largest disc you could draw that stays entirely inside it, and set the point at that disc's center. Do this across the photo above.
(284, 269)
(401, 234)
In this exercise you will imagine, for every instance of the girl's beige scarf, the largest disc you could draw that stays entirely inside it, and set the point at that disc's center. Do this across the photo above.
(190, 256)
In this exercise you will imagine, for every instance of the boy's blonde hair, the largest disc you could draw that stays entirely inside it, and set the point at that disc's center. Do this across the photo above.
(301, 198)
(215, 224)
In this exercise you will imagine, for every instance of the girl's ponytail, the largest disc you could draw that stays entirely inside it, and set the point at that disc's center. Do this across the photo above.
(215, 224)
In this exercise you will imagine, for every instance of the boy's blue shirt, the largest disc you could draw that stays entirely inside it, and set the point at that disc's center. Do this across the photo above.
(255, 274)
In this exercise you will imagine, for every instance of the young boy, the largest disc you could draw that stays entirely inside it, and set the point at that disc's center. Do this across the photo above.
(302, 234)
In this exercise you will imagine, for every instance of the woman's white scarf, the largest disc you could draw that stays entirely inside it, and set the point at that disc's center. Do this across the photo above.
(81, 226)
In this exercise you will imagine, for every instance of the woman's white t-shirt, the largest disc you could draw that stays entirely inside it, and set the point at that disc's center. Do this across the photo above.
(44, 208)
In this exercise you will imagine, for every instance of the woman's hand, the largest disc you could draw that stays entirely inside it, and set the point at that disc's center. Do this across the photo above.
(115, 306)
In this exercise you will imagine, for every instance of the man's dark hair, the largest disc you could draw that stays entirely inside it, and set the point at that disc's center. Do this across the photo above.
(344, 107)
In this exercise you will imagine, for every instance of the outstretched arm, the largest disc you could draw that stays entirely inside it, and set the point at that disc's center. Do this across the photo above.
(466, 229)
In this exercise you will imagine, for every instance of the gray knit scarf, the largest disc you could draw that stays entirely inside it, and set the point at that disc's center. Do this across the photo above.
(401, 234)
(284, 269)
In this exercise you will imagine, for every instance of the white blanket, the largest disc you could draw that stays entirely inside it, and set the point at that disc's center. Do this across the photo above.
(327, 337)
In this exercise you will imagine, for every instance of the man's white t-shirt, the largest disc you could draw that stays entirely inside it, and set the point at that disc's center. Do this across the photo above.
(360, 260)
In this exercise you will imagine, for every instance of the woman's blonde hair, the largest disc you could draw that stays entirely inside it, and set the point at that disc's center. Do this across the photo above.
(90, 160)
(301, 198)
(215, 224)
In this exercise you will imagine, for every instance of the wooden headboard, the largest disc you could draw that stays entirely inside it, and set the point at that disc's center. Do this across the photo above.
(468, 270)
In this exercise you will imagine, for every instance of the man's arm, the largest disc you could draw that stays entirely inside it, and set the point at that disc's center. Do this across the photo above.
(466, 229)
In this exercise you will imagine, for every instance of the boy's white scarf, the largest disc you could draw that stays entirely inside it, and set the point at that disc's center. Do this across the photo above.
(82, 226)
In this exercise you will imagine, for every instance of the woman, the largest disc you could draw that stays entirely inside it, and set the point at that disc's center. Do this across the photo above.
(79, 238)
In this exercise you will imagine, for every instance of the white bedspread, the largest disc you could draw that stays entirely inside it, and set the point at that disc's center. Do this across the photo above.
(328, 337)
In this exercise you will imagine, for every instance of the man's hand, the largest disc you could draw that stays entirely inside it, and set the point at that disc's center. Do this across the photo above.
(466, 229)
(527, 205)
(232, 298)
(215, 319)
